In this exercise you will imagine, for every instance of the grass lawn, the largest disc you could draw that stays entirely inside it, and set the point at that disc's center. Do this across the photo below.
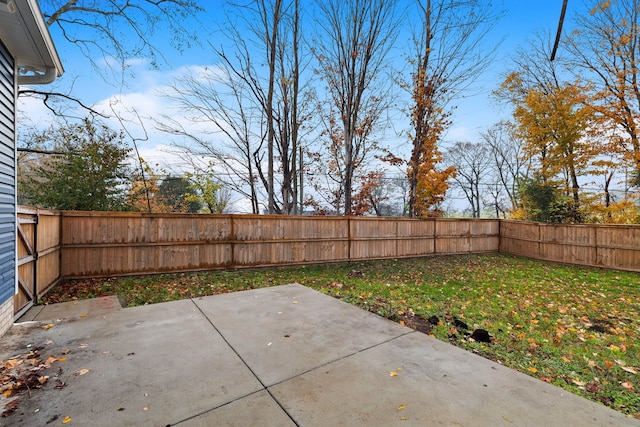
(577, 328)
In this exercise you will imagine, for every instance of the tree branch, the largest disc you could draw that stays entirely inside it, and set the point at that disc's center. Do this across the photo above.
(47, 95)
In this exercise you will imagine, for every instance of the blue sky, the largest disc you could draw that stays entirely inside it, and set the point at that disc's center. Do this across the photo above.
(473, 115)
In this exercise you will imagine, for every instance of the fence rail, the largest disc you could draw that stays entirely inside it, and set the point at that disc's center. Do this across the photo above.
(97, 244)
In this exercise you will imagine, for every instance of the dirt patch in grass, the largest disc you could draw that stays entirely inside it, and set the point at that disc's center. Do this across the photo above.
(577, 328)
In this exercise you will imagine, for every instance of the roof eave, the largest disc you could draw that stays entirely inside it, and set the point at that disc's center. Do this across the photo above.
(28, 39)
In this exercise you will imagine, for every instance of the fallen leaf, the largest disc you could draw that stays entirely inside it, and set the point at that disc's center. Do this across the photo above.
(10, 408)
(50, 360)
(82, 371)
(295, 302)
(48, 326)
(62, 359)
(83, 345)
(43, 379)
(509, 420)
(628, 385)
(630, 369)
(146, 408)
(66, 351)
(578, 382)
(393, 374)
(593, 387)
(66, 419)
(401, 407)
(12, 363)
(565, 359)
(532, 369)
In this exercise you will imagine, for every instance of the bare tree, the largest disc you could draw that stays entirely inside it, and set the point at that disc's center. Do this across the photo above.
(508, 160)
(271, 21)
(223, 127)
(294, 100)
(254, 103)
(448, 58)
(353, 42)
(472, 162)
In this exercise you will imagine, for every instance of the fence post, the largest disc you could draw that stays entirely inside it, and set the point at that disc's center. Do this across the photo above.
(36, 251)
(349, 238)
(435, 235)
(232, 235)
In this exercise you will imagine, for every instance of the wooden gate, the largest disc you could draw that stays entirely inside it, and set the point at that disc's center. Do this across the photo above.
(27, 234)
(38, 241)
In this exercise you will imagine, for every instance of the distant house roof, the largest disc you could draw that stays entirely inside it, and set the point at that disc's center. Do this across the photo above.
(24, 32)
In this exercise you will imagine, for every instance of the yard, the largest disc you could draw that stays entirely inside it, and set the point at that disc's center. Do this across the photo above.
(575, 327)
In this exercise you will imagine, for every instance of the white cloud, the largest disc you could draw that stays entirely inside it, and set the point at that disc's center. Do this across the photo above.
(461, 133)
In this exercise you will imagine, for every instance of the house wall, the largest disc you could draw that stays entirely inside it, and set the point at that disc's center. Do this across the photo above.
(7, 188)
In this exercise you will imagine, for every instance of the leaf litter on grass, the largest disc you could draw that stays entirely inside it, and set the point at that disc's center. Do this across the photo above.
(571, 326)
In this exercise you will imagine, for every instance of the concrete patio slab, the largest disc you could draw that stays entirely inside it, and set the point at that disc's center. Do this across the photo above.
(276, 356)
(284, 331)
(418, 380)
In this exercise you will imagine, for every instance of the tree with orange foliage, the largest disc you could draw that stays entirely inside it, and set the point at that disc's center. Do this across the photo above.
(371, 194)
(566, 137)
(447, 59)
(554, 126)
(604, 47)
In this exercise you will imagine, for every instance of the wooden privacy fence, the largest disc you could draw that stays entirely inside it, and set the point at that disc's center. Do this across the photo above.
(95, 244)
(608, 246)
(68, 244)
